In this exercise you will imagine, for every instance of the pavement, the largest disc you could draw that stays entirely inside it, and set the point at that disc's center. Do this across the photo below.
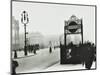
(59, 67)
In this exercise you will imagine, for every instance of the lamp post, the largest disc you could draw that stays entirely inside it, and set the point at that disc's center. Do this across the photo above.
(25, 20)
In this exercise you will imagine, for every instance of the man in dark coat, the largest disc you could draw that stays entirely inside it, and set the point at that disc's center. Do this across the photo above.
(89, 57)
(50, 50)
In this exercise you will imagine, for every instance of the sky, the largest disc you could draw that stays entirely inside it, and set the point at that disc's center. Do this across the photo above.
(48, 19)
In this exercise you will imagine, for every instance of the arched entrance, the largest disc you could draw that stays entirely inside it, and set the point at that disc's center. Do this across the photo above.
(73, 26)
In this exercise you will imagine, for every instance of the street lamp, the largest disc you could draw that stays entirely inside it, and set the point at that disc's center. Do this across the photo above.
(25, 20)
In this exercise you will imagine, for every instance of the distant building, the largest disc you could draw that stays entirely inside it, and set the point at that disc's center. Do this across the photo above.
(15, 34)
(35, 38)
(32, 38)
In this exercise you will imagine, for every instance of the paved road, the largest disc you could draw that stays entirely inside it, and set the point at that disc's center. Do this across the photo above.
(38, 62)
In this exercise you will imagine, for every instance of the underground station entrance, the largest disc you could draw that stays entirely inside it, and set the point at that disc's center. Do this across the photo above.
(71, 53)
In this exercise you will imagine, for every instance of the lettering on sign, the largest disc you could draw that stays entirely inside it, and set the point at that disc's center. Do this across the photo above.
(74, 27)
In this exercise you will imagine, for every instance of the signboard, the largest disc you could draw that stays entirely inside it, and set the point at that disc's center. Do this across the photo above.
(73, 24)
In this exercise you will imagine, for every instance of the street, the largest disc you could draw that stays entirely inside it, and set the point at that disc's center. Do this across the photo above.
(36, 63)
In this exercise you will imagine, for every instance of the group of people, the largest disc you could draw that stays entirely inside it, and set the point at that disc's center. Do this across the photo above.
(29, 48)
(88, 54)
(32, 48)
(85, 53)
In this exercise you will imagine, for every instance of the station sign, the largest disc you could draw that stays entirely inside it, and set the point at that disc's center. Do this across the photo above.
(73, 24)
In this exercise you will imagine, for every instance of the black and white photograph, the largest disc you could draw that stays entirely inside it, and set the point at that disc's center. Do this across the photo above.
(52, 37)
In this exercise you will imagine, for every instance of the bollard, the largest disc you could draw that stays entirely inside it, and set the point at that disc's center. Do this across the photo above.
(14, 66)
(15, 54)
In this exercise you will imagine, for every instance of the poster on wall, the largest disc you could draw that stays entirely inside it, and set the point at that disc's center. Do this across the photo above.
(52, 37)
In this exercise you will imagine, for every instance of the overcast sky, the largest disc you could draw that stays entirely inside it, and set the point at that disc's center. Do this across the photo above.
(49, 18)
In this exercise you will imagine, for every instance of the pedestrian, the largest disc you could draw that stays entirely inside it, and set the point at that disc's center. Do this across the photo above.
(35, 51)
(89, 57)
(50, 50)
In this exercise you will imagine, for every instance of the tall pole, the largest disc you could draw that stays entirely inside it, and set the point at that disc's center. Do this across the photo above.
(82, 30)
(63, 48)
(25, 40)
(64, 37)
(65, 34)
(25, 20)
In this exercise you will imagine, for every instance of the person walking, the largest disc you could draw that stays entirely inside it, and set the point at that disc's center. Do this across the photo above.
(50, 50)
(89, 57)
